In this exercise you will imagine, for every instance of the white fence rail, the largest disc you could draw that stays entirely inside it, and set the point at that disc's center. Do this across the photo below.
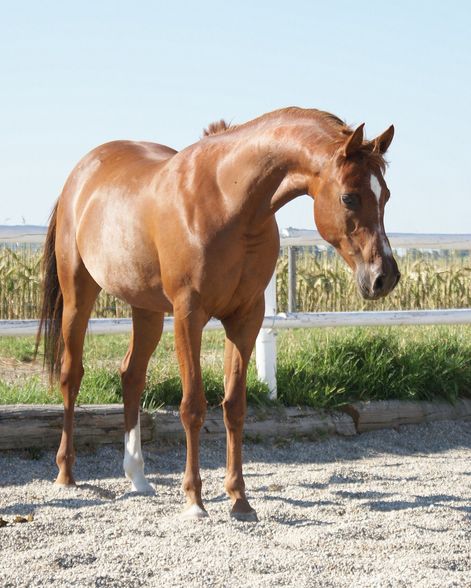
(282, 320)
(266, 341)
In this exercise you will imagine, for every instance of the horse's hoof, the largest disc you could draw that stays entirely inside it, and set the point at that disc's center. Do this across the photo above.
(65, 483)
(247, 517)
(194, 512)
(141, 488)
(242, 511)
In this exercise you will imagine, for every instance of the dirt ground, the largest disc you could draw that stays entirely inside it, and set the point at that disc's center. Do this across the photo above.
(388, 508)
(14, 370)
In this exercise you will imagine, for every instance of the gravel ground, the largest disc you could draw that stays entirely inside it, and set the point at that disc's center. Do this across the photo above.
(389, 508)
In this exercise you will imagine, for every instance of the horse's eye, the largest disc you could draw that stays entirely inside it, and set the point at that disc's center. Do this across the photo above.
(351, 200)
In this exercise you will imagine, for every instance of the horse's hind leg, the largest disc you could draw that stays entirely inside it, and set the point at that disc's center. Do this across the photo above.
(241, 332)
(79, 292)
(146, 332)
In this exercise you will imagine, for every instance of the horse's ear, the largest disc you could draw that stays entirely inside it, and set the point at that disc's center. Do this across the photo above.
(354, 142)
(382, 142)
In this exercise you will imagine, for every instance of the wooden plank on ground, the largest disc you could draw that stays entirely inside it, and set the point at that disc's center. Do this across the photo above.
(385, 414)
(260, 423)
(23, 426)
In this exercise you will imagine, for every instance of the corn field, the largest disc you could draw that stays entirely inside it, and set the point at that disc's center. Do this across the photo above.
(20, 287)
(324, 283)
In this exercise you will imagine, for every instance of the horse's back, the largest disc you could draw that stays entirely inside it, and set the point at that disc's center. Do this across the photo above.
(118, 164)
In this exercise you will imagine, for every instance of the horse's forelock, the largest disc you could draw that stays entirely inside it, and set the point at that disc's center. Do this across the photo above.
(374, 159)
(365, 153)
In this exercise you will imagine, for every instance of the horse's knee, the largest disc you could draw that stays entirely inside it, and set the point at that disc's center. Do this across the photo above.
(234, 412)
(193, 412)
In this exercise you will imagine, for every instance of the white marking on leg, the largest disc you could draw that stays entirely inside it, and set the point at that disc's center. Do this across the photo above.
(133, 462)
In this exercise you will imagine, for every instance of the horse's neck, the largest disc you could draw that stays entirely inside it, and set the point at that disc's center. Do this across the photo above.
(270, 167)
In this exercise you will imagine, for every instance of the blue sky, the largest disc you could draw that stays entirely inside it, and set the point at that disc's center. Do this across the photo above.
(75, 75)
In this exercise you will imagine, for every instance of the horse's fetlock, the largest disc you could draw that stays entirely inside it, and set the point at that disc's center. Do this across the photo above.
(192, 484)
(133, 463)
(234, 484)
(65, 457)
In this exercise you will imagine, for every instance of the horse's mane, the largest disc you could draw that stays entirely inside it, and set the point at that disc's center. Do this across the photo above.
(216, 128)
(339, 128)
(292, 112)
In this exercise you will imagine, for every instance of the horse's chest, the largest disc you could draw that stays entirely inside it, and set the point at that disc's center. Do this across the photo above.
(242, 278)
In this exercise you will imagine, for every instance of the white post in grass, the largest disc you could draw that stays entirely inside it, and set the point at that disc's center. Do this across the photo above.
(265, 348)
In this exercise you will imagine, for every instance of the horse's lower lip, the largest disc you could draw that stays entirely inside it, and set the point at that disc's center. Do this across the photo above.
(368, 296)
(374, 296)
(366, 293)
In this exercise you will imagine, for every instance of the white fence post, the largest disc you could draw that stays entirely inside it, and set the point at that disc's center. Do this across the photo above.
(265, 348)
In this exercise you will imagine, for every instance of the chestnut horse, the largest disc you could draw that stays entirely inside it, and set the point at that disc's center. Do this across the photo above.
(194, 233)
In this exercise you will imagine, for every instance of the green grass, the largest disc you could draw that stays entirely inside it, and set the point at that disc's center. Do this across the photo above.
(335, 366)
(316, 367)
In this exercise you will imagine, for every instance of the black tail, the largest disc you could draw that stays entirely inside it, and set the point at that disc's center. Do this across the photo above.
(52, 305)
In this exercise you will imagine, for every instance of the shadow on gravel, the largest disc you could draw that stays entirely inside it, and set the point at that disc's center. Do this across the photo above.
(300, 522)
(25, 508)
(433, 501)
(295, 502)
(362, 495)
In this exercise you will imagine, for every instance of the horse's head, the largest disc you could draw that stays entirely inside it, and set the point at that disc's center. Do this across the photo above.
(349, 206)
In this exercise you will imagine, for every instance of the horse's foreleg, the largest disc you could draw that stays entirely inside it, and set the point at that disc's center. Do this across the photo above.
(189, 323)
(241, 332)
(147, 330)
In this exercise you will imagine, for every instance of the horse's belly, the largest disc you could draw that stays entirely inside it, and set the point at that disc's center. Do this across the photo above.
(124, 264)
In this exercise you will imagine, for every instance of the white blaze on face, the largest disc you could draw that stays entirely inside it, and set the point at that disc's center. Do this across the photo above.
(133, 462)
(376, 189)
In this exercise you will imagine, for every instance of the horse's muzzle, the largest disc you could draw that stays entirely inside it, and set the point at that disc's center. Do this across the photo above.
(374, 283)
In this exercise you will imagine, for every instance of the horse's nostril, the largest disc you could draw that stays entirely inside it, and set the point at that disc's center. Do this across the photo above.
(378, 283)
